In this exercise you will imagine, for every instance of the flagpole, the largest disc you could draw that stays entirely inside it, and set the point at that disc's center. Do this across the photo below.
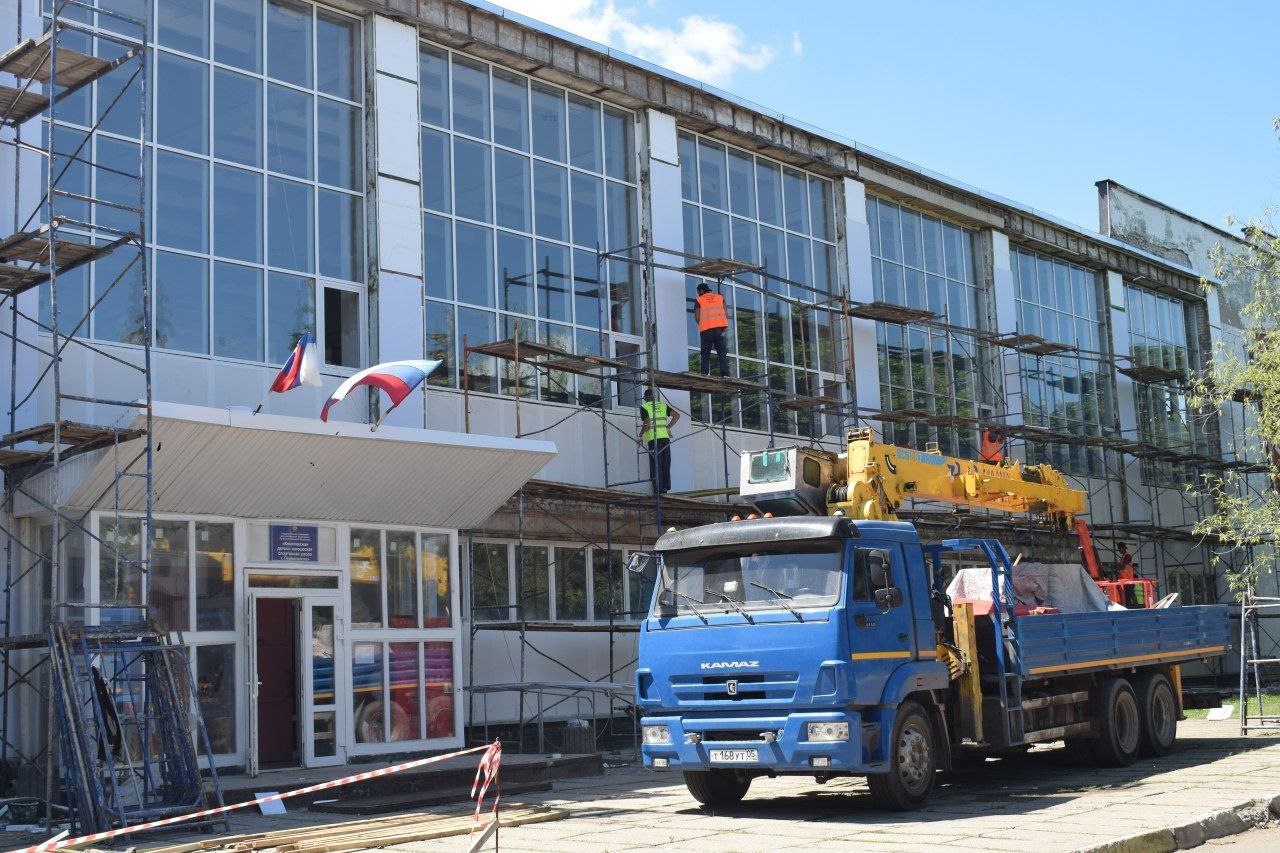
(382, 418)
(263, 402)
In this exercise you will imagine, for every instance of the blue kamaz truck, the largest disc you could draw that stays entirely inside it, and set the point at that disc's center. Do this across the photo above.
(825, 645)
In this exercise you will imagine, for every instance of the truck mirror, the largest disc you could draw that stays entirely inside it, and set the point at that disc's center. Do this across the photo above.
(878, 570)
(888, 598)
(639, 562)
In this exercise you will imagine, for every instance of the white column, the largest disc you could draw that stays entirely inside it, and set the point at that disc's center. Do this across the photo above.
(665, 225)
(395, 304)
(857, 248)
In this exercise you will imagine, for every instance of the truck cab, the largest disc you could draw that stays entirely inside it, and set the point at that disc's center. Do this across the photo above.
(785, 645)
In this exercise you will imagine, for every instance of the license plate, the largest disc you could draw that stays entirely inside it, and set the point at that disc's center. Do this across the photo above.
(734, 756)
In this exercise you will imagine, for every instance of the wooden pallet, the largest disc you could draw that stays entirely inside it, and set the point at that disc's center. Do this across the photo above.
(365, 834)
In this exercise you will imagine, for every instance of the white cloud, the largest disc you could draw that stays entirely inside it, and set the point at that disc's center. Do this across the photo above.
(699, 47)
(797, 46)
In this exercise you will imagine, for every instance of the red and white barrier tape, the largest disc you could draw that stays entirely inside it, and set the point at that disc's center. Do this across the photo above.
(488, 768)
(57, 843)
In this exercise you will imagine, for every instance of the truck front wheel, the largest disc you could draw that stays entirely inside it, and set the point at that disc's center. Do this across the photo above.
(913, 762)
(1159, 710)
(717, 788)
(1119, 725)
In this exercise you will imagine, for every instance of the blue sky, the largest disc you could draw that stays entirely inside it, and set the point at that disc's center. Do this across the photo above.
(1033, 101)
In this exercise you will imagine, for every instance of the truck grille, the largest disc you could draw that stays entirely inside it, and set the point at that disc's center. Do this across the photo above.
(733, 735)
(756, 686)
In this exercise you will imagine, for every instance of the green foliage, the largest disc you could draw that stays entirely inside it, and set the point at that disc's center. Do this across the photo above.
(1247, 375)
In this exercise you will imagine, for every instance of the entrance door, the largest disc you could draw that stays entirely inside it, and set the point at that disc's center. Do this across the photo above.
(277, 663)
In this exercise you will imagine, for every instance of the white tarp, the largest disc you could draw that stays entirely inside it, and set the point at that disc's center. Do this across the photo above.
(1066, 586)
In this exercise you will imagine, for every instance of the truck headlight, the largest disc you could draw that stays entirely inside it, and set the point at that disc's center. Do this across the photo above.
(828, 732)
(656, 735)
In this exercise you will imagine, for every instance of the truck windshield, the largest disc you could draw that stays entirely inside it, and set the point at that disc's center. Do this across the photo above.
(756, 577)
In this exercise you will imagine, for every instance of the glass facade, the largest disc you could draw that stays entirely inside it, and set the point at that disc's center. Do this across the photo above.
(921, 261)
(1069, 392)
(555, 582)
(522, 184)
(256, 166)
(1161, 333)
(755, 210)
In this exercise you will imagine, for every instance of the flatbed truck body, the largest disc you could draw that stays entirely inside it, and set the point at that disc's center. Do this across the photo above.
(825, 646)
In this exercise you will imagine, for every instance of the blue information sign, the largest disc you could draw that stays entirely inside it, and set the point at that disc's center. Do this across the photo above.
(294, 543)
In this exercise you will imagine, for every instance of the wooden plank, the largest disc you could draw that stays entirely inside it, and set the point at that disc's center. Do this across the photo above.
(970, 682)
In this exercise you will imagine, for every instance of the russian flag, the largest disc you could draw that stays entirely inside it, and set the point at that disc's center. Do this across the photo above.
(302, 368)
(397, 378)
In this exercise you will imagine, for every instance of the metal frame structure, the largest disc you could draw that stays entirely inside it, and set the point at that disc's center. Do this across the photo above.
(119, 730)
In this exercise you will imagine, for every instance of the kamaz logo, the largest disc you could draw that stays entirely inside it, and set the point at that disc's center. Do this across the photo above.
(732, 664)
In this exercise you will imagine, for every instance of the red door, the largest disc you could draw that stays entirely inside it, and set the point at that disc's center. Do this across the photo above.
(277, 681)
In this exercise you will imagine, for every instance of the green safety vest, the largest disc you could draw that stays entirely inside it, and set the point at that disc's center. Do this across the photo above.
(659, 421)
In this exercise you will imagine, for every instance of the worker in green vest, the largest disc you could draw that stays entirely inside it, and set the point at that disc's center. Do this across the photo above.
(656, 420)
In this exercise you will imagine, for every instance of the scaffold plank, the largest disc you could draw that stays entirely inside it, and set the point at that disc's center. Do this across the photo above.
(18, 106)
(70, 434)
(810, 403)
(1150, 374)
(32, 247)
(32, 59)
(18, 279)
(887, 312)
(902, 416)
(720, 267)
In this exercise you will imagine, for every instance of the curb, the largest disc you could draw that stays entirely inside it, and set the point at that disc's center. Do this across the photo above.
(1242, 817)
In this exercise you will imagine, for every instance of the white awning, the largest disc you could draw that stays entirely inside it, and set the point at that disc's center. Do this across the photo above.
(223, 462)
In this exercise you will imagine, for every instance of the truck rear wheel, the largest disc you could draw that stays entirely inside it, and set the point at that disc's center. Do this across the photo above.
(717, 787)
(1159, 713)
(913, 762)
(1119, 725)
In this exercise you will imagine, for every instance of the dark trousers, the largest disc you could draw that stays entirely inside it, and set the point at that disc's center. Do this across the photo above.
(660, 464)
(713, 339)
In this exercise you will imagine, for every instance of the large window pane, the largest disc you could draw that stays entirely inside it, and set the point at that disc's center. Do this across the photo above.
(237, 117)
(237, 213)
(511, 179)
(478, 327)
(550, 201)
(548, 122)
(688, 155)
(119, 572)
(515, 273)
(341, 236)
(289, 42)
(620, 200)
(237, 312)
(437, 664)
(183, 25)
(534, 566)
(822, 209)
(475, 264)
(338, 144)
(366, 578)
(433, 86)
(587, 292)
(437, 182)
(338, 43)
(437, 581)
(182, 103)
(588, 210)
(437, 254)
(712, 176)
(171, 575)
(571, 583)
(289, 225)
(182, 202)
(182, 302)
(406, 714)
(619, 145)
(438, 328)
(116, 174)
(584, 134)
(291, 313)
(367, 699)
(473, 194)
(289, 131)
(796, 191)
(552, 264)
(510, 110)
(215, 576)
(490, 581)
(117, 282)
(237, 33)
(606, 583)
(470, 97)
(342, 323)
(216, 692)
(742, 184)
(402, 580)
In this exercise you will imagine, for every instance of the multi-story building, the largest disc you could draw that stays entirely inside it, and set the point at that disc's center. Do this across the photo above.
(409, 180)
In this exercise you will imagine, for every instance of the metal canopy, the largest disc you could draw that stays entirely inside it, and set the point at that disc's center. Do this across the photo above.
(223, 462)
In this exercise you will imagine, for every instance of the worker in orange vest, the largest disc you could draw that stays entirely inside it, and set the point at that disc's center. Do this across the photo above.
(713, 319)
(1127, 570)
(992, 446)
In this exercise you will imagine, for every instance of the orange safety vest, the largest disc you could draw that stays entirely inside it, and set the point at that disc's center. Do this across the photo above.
(711, 312)
(992, 451)
(1126, 567)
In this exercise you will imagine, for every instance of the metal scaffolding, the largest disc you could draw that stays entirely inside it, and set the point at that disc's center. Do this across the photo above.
(99, 715)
